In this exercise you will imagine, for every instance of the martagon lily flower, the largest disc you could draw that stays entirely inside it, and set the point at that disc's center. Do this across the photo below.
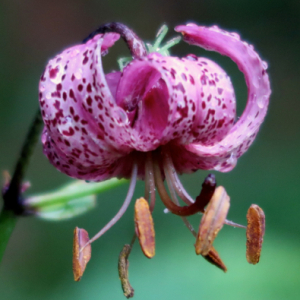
(158, 117)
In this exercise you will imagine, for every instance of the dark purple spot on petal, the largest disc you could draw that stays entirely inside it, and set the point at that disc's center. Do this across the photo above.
(89, 100)
(85, 60)
(192, 79)
(89, 88)
(69, 132)
(53, 72)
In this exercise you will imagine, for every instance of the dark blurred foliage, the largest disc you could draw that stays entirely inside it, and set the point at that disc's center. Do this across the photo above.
(37, 264)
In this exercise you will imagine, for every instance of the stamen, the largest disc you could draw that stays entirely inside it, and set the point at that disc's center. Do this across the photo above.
(80, 259)
(122, 210)
(149, 181)
(212, 221)
(144, 227)
(214, 258)
(123, 265)
(208, 187)
(255, 233)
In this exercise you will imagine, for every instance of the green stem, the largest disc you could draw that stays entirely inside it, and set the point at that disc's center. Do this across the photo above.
(12, 194)
(8, 221)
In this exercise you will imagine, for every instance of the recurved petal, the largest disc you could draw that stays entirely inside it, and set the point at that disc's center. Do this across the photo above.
(82, 121)
(223, 155)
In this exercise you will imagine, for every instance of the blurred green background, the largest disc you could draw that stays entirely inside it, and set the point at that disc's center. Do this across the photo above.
(38, 260)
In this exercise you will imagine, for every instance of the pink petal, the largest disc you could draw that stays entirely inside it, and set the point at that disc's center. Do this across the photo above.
(215, 102)
(223, 155)
(164, 97)
(82, 120)
(113, 80)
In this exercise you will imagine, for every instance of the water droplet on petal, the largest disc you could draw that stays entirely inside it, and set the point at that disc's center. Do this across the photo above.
(261, 101)
(235, 35)
(265, 65)
(78, 74)
(177, 115)
(120, 116)
(68, 119)
(74, 53)
(232, 160)
(180, 104)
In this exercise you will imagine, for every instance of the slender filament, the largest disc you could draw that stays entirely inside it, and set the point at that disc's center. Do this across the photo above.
(170, 170)
(122, 209)
(149, 181)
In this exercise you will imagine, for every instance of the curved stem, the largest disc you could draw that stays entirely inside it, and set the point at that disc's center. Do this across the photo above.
(12, 195)
(13, 205)
(135, 44)
(122, 210)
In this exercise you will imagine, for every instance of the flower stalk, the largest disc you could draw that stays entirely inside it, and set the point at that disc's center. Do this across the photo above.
(11, 194)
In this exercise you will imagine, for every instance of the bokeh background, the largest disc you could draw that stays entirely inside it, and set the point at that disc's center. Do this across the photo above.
(37, 264)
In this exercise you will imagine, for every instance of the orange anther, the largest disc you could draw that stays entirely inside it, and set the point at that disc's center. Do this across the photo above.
(255, 233)
(212, 221)
(80, 256)
(144, 227)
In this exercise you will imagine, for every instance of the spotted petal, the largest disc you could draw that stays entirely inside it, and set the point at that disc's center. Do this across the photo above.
(223, 155)
(170, 99)
(82, 120)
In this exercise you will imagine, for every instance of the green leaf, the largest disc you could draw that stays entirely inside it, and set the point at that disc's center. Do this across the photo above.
(68, 209)
(74, 190)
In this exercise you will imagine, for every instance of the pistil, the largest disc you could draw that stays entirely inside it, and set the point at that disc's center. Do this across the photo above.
(175, 209)
(206, 193)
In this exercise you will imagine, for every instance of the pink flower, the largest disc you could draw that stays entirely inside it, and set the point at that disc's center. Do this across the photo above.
(160, 116)
(97, 124)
